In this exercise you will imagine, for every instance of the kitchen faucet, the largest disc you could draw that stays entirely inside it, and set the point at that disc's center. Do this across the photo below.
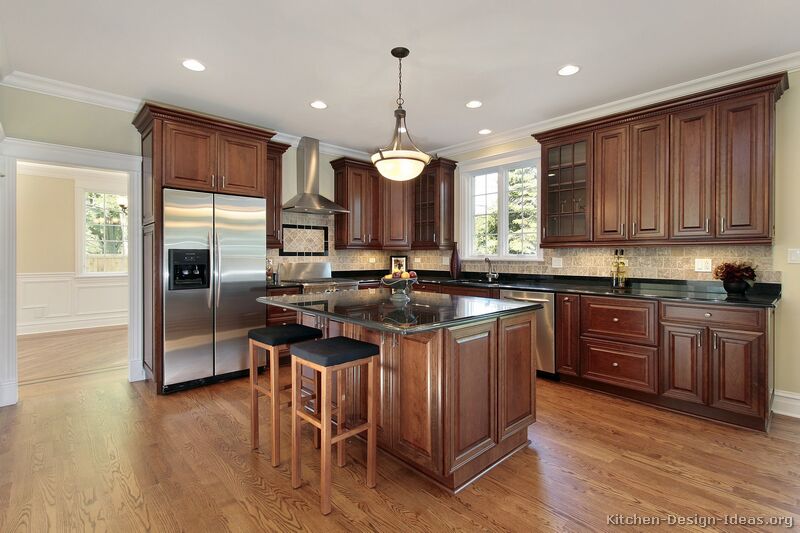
(490, 276)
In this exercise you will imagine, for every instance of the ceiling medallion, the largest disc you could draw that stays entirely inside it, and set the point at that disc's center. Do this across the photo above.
(400, 161)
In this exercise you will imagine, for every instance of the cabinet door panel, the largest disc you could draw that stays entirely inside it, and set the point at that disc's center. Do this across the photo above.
(357, 197)
(736, 371)
(273, 189)
(416, 391)
(471, 401)
(610, 183)
(744, 177)
(241, 165)
(398, 198)
(190, 154)
(648, 179)
(516, 374)
(692, 173)
(373, 209)
(683, 363)
(568, 324)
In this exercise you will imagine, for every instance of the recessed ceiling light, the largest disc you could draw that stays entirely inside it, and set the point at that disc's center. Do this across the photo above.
(484, 131)
(568, 70)
(474, 104)
(193, 64)
(318, 104)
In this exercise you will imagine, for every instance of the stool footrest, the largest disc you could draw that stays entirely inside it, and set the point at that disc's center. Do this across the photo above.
(349, 433)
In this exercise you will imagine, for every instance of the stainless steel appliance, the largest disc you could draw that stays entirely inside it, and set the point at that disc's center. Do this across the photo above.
(214, 269)
(545, 334)
(308, 199)
(315, 278)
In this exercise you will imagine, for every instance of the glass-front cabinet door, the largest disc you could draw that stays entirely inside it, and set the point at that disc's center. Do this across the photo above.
(567, 190)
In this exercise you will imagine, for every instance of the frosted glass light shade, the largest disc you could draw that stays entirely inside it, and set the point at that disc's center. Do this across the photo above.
(400, 165)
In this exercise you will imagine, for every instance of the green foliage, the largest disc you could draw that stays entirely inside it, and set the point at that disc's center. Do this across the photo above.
(106, 226)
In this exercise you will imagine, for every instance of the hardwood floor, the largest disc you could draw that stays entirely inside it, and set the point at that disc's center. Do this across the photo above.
(97, 453)
(46, 356)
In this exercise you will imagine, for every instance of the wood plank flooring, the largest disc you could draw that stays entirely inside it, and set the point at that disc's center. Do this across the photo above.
(46, 356)
(97, 453)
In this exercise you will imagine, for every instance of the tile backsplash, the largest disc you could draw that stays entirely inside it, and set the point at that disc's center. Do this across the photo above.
(665, 262)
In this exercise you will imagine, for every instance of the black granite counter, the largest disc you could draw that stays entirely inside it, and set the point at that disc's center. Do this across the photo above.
(282, 285)
(376, 310)
(706, 292)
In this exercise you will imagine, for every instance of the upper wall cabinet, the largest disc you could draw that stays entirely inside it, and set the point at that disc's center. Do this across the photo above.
(358, 188)
(692, 170)
(273, 193)
(198, 152)
(434, 206)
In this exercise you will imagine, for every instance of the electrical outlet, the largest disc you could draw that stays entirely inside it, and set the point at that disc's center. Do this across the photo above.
(558, 262)
(371, 259)
(794, 255)
(702, 265)
(445, 260)
(418, 260)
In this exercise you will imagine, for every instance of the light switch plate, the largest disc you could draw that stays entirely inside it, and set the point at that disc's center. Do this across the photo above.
(794, 255)
(445, 260)
(702, 265)
(558, 262)
(418, 260)
(371, 259)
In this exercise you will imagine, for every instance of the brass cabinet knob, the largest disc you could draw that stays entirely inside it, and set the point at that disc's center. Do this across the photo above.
(615, 319)
(615, 365)
(566, 298)
(707, 315)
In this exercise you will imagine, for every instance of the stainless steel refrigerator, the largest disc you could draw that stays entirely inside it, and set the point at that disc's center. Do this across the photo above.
(214, 269)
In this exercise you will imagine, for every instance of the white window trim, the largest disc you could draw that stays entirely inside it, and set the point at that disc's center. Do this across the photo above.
(503, 162)
(81, 188)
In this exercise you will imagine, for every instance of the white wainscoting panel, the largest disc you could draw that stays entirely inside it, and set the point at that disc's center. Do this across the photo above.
(61, 301)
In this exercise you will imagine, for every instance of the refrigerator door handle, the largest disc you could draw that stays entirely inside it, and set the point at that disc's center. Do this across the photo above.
(217, 267)
(213, 260)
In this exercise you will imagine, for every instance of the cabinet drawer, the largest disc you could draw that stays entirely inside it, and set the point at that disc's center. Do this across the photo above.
(466, 291)
(624, 365)
(619, 319)
(426, 287)
(748, 318)
(282, 320)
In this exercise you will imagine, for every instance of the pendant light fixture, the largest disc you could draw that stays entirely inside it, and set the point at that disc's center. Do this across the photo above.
(401, 160)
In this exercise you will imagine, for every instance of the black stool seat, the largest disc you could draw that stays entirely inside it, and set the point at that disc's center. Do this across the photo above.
(287, 334)
(334, 351)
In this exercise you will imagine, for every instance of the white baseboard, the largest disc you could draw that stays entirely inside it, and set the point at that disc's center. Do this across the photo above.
(66, 325)
(135, 371)
(8, 393)
(786, 403)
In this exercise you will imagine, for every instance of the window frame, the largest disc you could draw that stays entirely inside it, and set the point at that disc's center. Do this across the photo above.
(467, 174)
(80, 229)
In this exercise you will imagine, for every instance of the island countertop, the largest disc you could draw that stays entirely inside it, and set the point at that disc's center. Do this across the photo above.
(375, 309)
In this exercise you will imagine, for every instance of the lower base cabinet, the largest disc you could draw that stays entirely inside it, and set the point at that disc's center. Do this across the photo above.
(710, 361)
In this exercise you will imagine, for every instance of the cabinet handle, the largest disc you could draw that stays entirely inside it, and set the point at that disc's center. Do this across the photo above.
(566, 298)
(213, 181)
(544, 232)
(223, 181)
(622, 229)
(615, 364)
(634, 228)
(706, 224)
(434, 236)
(699, 339)
(715, 341)
(707, 315)
(722, 226)
(615, 319)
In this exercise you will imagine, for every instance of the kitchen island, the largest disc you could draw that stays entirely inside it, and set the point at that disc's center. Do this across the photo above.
(457, 384)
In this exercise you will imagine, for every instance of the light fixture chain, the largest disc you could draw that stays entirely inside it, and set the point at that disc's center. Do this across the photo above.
(400, 100)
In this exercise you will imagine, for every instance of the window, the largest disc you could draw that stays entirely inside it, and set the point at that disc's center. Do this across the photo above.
(501, 211)
(105, 233)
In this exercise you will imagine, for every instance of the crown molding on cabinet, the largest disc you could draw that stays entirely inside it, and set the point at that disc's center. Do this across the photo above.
(788, 62)
(62, 89)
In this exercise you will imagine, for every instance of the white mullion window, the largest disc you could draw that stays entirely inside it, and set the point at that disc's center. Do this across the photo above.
(501, 204)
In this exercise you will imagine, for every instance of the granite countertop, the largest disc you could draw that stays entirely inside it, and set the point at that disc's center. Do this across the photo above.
(282, 285)
(376, 310)
(706, 292)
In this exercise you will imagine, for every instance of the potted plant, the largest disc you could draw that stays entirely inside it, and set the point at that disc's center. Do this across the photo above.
(736, 277)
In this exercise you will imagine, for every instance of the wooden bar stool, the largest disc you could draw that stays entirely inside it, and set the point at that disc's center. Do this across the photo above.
(329, 356)
(272, 339)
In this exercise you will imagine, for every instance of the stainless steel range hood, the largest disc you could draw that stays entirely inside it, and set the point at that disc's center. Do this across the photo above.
(308, 199)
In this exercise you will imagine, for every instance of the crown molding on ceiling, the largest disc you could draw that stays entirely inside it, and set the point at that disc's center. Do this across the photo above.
(78, 93)
(788, 62)
(324, 148)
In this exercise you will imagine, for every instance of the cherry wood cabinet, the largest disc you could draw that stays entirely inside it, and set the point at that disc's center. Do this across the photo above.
(648, 193)
(690, 170)
(624, 319)
(398, 205)
(516, 375)
(692, 173)
(434, 206)
(273, 193)
(469, 291)
(280, 316)
(737, 371)
(684, 362)
(566, 200)
(568, 324)
(743, 162)
(610, 183)
(358, 188)
(625, 365)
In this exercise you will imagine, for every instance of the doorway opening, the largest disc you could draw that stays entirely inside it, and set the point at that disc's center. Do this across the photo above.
(72, 271)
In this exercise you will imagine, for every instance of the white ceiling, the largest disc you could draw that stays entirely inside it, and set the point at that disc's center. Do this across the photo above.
(267, 60)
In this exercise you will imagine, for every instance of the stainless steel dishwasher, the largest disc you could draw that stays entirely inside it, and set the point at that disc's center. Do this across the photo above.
(545, 335)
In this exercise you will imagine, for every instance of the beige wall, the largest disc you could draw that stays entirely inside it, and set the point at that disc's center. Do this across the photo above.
(45, 224)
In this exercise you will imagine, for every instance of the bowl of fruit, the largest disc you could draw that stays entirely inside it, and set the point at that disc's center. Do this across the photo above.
(400, 282)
